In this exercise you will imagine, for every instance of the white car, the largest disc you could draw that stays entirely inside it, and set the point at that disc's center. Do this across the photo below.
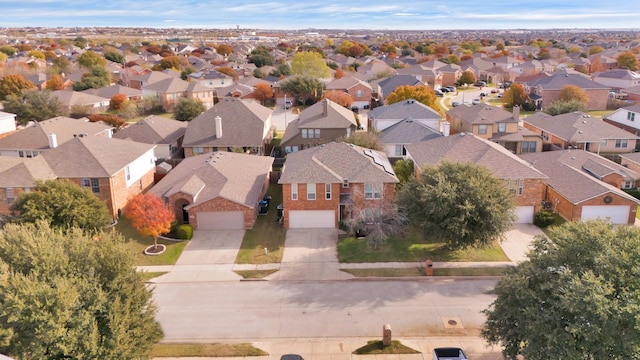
(475, 101)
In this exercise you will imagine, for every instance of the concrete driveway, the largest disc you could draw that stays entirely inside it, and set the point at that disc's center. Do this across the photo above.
(518, 241)
(310, 254)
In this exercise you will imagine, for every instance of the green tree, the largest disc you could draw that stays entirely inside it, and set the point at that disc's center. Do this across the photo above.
(467, 77)
(60, 65)
(98, 77)
(33, 105)
(184, 74)
(461, 203)
(261, 57)
(187, 109)
(365, 139)
(628, 60)
(8, 50)
(562, 107)
(3, 57)
(170, 62)
(303, 88)
(514, 95)
(596, 49)
(404, 169)
(90, 59)
(311, 64)
(575, 297)
(14, 84)
(62, 204)
(65, 295)
(115, 57)
(421, 94)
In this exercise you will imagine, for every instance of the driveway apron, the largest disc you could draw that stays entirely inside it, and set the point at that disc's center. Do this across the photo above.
(518, 241)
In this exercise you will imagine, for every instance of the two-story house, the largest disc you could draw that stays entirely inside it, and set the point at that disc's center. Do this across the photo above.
(170, 90)
(166, 134)
(626, 118)
(546, 90)
(359, 90)
(328, 183)
(18, 175)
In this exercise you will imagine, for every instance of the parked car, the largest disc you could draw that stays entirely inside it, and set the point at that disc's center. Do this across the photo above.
(288, 104)
(475, 101)
(449, 354)
(481, 83)
(483, 94)
(451, 88)
(291, 357)
(445, 90)
(438, 92)
(455, 103)
(495, 91)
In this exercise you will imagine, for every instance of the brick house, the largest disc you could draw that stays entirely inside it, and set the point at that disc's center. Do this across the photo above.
(166, 134)
(359, 90)
(18, 175)
(385, 116)
(216, 191)
(625, 118)
(546, 90)
(170, 90)
(328, 183)
(525, 183)
(577, 130)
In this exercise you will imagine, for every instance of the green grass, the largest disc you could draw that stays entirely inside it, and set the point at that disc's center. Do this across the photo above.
(206, 350)
(413, 247)
(638, 212)
(557, 221)
(137, 243)
(375, 347)
(599, 113)
(255, 274)
(265, 233)
(146, 276)
(416, 271)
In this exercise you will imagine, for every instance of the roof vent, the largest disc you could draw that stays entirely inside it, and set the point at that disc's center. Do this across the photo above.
(580, 132)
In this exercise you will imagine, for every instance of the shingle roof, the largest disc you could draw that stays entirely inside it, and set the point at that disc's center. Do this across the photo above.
(153, 130)
(593, 164)
(557, 82)
(618, 74)
(23, 172)
(324, 114)
(390, 84)
(242, 125)
(577, 127)
(335, 163)
(70, 98)
(409, 109)
(480, 114)
(109, 91)
(233, 176)
(407, 131)
(93, 156)
(467, 148)
(346, 82)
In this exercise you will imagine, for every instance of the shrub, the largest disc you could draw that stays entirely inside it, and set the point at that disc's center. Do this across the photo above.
(633, 192)
(184, 232)
(543, 219)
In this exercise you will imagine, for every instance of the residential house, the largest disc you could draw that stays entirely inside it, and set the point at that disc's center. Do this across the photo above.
(546, 90)
(388, 85)
(216, 191)
(427, 73)
(405, 132)
(322, 122)
(630, 161)
(172, 89)
(146, 78)
(359, 90)
(48, 134)
(625, 118)
(114, 169)
(166, 134)
(18, 175)
(495, 124)
(617, 78)
(577, 190)
(211, 79)
(577, 130)
(231, 125)
(382, 117)
(7, 122)
(326, 184)
(79, 102)
(109, 91)
(525, 183)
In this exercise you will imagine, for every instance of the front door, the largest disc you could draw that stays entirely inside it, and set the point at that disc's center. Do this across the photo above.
(185, 215)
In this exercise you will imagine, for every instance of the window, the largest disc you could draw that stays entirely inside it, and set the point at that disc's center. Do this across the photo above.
(294, 148)
(316, 133)
(10, 195)
(359, 93)
(311, 191)
(631, 116)
(502, 127)
(294, 191)
(327, 191)
(304, 133)
(621, 143)
(627, 185)
(482, 129)
(95, 185)
(197, 150)
(515, 186)
(372, 191)
(528, 146)
(345, 184)
(127, 173)
(400, 150)
(287, 149)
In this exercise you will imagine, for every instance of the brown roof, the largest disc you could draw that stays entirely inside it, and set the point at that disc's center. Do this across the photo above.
(233, 176)
(324, 114)
(577, 127)
(593, 164)
(335, 163)
(23, 172)
(153, 130)
(480, 114)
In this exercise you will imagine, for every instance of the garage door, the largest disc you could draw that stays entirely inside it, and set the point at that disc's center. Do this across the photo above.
(524, 214)
(618, 214)
(312, 219)
(220, 220)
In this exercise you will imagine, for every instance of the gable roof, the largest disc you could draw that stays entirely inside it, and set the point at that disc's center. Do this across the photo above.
(481, 114)
(109, 91)
(233, 176)
(391, 83)
(324, 114)
(407, 131)
(335, 163)
(408, 109)
(558, 81)
(346, 82)
(593, 164)
(153, 130)
(94, 156)
(23, 172)
(467, 148)
(175, 85)
(71, 98)
(577, 127)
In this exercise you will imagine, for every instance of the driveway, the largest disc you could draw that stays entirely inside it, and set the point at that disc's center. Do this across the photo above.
(518, 241)
(310, 254)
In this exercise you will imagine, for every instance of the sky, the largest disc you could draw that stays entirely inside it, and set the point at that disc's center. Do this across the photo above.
(323, 14)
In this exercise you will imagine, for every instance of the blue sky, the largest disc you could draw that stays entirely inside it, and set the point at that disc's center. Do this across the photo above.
(325, 14)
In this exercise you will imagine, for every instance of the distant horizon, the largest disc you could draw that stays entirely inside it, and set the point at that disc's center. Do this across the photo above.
(292, 15)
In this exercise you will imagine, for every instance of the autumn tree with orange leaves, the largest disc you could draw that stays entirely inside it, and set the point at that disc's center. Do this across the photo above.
(262, 92)
(339, 97)
(149, 216)
(55, 83)
(338, 74)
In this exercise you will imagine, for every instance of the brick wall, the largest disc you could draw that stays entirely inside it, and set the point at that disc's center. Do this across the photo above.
(534, 190)
(630, 164)
(4, 205)
(613, 180)
(221, 204)
(572, 212)
(303, 204)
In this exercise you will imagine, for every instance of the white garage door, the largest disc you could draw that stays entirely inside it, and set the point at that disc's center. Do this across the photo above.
(312, 219)
(220, 220)
(524, 214)
(618, 214)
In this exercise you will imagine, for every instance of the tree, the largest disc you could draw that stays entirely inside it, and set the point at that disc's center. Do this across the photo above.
(421, 94)
(461, 203)
(310, 64)
(115, 57)
(575, 297)
(149, 215)
(467, 77)
(262, 92)
(60, 65)
(366, 139)
(90, 59)
(33, 105)
(628, 60)
(338, 74)
(514, 95)
(378, 223)
(55, 82)
(573, 93)
(14, 84)
(66, 295)
(184, 74)
(62, 204)
(404, 169)
(339, 97)
(117, 101)
(596, 65)
(303, 88)
(224, 50)
(170, 62)
(229, 71)
(8, 50)
(261, 57)
(596, 49)
(562, 107)
(187, 109)
(97, 77)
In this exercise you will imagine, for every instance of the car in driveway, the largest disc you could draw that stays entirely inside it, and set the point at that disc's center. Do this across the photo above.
(450, 88)
(438, 92)
(475, 101)
(455, 103)
(449, 353)
(291, 357)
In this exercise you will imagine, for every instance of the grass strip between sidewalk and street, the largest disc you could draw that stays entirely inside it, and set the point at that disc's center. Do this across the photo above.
(206, 350)
(417, 271)
(376, 347)
(255, 274)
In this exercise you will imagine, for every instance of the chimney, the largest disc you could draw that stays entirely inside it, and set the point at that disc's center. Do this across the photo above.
(446, 128)
(108, 132)
(325, 111)
(516, 113)
(53, 140)
(218, 121)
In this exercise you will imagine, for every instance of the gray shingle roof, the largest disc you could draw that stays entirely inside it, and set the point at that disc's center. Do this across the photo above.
(324, 114)
(467, 148)
(23, 172)
(233, 176)
(480, 114)
(346, 82)
(557, 82)
(153, 130)
(335, 163)
(408, 109)
(593, 164)
(407, 132)
(577, 127)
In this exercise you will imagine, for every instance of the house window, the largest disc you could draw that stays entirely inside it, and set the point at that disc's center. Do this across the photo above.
(311, 191)
(627, 185)
(528, 146)
(545, 136)
(327, 191)
(197, 150)
(359, 93)
(287, 149)
(372, 191)
(9, 195)
(294, 191)
(622, 143)
(294, 148)
(502, 127)
(400, 150)
(127, 173)
(482, 129)
(95, 185)
(515, 186)
(345, 184)
(316, 133)
(304, 133)
(631, 116)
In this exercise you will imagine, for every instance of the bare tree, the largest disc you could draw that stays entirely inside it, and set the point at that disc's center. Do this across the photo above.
(377, 223)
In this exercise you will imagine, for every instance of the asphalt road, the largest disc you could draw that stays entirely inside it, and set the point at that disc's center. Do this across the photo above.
(288, 309)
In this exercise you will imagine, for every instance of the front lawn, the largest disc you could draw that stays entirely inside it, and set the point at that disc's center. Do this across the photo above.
(137, 243)
(266, 233)
(206, 350)
(413, 248)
